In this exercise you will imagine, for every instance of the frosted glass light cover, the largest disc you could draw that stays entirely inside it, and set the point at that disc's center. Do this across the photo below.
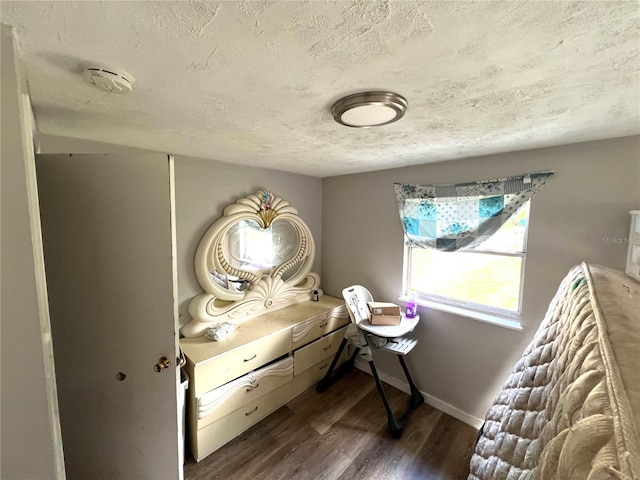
(368, 115)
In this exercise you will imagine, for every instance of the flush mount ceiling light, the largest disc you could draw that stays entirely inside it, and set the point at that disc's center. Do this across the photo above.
(369, 109)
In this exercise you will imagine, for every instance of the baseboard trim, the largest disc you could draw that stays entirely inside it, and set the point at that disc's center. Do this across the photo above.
(475, 422)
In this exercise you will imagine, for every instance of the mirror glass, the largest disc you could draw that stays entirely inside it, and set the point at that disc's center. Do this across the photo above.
(249, 247)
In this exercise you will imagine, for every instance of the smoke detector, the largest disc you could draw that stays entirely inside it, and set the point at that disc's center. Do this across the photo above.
(108, 79)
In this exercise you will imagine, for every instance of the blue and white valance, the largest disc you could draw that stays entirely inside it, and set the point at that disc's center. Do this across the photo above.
(450, 217)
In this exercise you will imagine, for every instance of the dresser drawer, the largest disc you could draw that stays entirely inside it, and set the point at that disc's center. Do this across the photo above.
(315, 328)
(234, 363)
(244, 390)
(325, 347)
(315, 373)
(216, 434)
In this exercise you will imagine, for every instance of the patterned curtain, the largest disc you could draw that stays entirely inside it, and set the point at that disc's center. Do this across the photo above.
(451, 217)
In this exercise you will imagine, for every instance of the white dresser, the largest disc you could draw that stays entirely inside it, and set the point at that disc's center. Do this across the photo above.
(268, 360)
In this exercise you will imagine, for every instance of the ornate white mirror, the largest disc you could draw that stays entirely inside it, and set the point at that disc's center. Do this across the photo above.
(256, 257)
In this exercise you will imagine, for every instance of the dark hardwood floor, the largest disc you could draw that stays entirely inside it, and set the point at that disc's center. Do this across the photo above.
(342, 434)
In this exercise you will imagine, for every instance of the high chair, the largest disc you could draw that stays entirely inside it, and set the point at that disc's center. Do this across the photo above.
(385, 338)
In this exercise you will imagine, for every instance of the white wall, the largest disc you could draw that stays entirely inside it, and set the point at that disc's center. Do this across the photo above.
(461, 361)
(29, 430)
(205, 187)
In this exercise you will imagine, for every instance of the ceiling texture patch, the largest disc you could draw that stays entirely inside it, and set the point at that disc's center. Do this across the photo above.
(253, 83)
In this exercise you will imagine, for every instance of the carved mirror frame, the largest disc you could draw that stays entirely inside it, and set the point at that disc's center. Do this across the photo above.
(279, 286)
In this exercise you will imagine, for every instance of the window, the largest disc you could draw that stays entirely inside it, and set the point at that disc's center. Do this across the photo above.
(485, 279)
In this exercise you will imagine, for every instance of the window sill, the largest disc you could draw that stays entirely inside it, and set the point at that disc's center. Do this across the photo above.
(490, 318)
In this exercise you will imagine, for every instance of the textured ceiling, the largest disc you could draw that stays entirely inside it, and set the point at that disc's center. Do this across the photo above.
(252, 83)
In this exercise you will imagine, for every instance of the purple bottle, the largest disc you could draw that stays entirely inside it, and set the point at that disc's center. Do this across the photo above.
(411, 305)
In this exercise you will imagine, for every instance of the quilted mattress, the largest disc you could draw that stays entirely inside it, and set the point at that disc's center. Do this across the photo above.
(570, 410)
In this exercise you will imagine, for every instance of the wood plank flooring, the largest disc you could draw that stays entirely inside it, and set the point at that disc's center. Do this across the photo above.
(342, 434)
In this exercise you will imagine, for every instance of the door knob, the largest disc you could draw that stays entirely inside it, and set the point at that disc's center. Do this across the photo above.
(163, 363)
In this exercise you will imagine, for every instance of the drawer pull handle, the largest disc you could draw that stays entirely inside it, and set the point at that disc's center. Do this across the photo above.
(324, 366)
(253, 387)
(327, 348)
(322, 324)
(249, 359)
(252, 411)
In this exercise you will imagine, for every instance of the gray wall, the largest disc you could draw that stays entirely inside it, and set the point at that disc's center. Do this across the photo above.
(205, 187)
(30, 430)
(458, 360)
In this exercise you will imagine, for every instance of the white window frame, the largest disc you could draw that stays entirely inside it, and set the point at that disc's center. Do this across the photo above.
(485, 313)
